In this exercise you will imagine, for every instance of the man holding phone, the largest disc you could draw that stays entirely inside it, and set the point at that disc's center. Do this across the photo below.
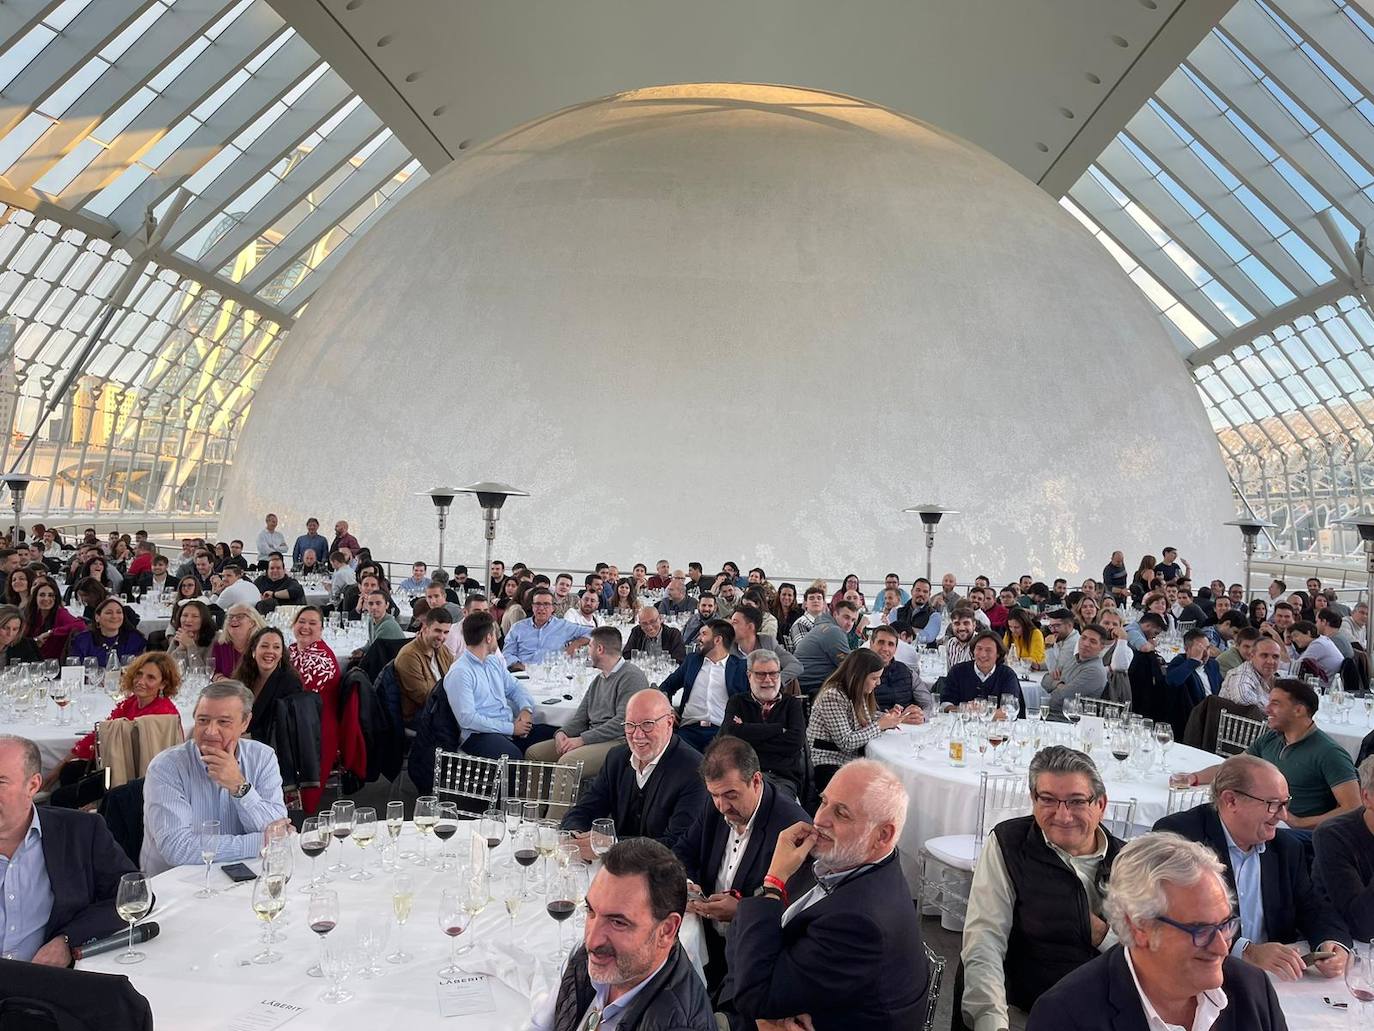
(217, 775)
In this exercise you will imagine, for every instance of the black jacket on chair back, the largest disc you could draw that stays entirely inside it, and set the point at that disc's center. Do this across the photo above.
(1051, 934)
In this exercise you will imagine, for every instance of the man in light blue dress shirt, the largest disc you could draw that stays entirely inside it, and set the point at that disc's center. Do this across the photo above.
(217, 775)
(533, 638)
(493, 709)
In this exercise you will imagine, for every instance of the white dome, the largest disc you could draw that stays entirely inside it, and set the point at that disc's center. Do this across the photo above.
(737, 322)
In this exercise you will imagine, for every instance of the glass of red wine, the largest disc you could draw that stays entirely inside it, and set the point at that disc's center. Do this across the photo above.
(453, 921)
(323, 918)
(560, 904)
(493, 828)
(445, 827)
(1359, 978)
(526, 846)
(315, 837)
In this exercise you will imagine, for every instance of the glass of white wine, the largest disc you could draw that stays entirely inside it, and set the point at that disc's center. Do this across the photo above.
(395, 823)
(602, 836)
(547, 843)
(132, 902)
(402, 899)
(364, 830)
(426, 815)
(269, 899)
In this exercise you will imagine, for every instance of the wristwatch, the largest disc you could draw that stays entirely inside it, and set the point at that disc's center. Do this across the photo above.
(242, 790)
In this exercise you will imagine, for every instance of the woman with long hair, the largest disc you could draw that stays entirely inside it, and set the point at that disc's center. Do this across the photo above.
(148, 684)
(191, 632)
(94, 568)
(850, 583)
(1143, 579)
(1085, 612)
(188, 588)
(1023, 639)
(625, 600)
(265, 671)
(845, 717)
(46, 620)
(786, 609)
(241, 622)
(17, 588)
(1259, 612)
(15, 648)
(111, 634)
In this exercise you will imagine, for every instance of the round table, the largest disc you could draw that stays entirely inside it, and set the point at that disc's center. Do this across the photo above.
(944, 799)
(1304, 1005)
(1350, 731)
(55, 742)
(198, 973)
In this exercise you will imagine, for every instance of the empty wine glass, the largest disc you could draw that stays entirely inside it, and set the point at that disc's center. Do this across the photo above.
(337, 960)
(373, 930)
(133, 899)
(209, 846)
(602, 836)
(1164, 737)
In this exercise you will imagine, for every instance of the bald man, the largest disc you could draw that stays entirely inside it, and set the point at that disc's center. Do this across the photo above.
(649, 786)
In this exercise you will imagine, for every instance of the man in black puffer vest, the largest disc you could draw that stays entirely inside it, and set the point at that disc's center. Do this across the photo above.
(631, 971)
(1035, 907)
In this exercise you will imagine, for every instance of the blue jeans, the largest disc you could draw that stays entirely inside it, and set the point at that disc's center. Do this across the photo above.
(493, 746)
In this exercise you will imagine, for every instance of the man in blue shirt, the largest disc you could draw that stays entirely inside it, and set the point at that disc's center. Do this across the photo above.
(310, 541)
(217, 775)
(493, 709)
(531, 639)
(417, 581)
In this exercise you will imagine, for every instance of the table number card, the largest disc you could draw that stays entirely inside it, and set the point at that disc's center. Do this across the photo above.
(264, 1015)
(465, 995)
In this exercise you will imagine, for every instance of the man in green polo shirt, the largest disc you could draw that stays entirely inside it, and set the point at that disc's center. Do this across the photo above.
(1320, 773)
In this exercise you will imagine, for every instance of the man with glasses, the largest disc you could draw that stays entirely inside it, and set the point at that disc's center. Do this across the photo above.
(773, 723)
(649, 786)
(1035, 907)
(531, 639)
(1265, 867)
(1168, 905)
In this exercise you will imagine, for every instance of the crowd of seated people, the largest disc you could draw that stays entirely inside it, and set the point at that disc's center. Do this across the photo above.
(739, 786)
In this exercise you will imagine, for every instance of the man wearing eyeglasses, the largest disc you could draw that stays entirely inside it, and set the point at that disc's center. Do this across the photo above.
(531, 639)
(1168, 905)
(1035, 907)
(1266, 868)
(649, 786)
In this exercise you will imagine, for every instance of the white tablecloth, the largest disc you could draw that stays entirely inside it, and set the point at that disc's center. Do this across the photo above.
(55, 742)
(944, 799)
(1349, 734)
(198, 976)
(1304, 1009)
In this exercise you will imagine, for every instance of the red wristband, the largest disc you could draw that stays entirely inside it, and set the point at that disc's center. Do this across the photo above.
(776, 883)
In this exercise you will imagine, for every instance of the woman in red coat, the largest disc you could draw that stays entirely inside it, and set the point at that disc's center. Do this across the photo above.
(341, 736)
(47, 621)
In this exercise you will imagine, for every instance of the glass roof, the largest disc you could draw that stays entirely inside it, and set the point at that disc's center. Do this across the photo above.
(107, 110)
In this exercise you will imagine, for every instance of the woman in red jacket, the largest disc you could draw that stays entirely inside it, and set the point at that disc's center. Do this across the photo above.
(341, 736)
(47, 621)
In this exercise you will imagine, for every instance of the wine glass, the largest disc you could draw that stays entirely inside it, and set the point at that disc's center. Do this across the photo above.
(602, 836)
(364, 830)
(209, 845)
(315, 838)
(395, 820)
(526, 846)
(453, 921)
(493, 828)
(426, 813)
(323, 917)
(515, 894)
(512, 808)
(1164, 737)
(373, 929)
(132, 902)
(1359, 978)
(60, 693)
(560, 904)
(1121, 744)
(445, 827)
(269, 898)
(341, 826)
(547, 844)
(1072, 710)
(402, 899)
(475, 898)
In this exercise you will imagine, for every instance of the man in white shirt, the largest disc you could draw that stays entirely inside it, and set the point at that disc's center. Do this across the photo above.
(706, 679)
(270, 539)
(1168, 904)
(343, 575)
(585, 613)
(1315, 649)
(237, 590)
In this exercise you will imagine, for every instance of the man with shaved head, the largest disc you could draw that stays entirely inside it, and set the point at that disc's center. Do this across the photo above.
(649, 786)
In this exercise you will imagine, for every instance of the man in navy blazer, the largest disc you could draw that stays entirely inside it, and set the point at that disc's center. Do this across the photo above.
(73, 852)
(1276, 899)
(1183, 679)
(707, 679)
(649, 786)
(728, 849)
(1168, 904)
(846, 952)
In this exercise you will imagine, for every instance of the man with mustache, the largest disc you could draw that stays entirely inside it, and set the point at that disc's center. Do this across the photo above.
(844, 953)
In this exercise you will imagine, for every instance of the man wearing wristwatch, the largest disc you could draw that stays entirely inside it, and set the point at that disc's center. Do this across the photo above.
(845, 953)
(217, 775)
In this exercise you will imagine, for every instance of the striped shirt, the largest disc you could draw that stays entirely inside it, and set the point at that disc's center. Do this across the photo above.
(178, 795)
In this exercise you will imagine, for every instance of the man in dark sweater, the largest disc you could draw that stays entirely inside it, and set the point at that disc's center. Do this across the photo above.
(773, 723)
(1345, 859)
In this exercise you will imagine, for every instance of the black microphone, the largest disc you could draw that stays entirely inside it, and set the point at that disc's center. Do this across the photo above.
(142, 933)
